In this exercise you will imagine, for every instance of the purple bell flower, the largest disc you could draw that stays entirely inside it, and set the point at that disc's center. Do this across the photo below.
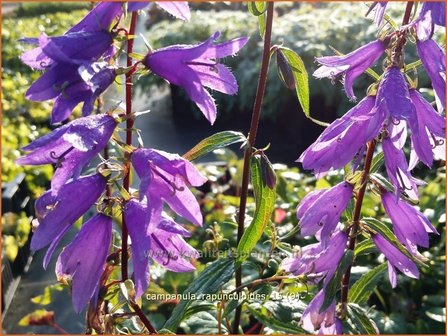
(312, 319)
(179, 9)
(83, 260)
(70, 147)
(196, 67)
(322, 213)
(433, 59)
(351, 65)
(167, 176)
(155, 236)
(428, 135)
(431, 14)
(396, 259)
(335, 329)
(379, 12)
(57, 213)
(340, 141)
(410, 225)
(69, 85)
(317, 258)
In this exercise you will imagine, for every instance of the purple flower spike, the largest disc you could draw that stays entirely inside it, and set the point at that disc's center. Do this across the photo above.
(410, 225)
(339, 143)
(433, 59)
(324, 213)
(379, 12)
(397, 170)
(83, 260)
(432, 13)
(396, 259)
(70, 147)
(179, 9)
(57, 213)
(351, 65)
(429, 132)
(196, 67)
(317, 258)
(158, 237)
(167, 176)
(312, 319)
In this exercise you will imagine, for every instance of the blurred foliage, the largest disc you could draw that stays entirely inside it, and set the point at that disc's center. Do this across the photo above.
(31, 9)
(15, 231)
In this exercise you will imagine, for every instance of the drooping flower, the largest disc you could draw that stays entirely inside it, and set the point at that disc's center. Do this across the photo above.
(431, 14)
(410, 225)
(398, 171)
(340, 141)
(323, 214)
(71, 84)
(433, 59)
(155, 236)
(317, 258)
(379, 12)
(57, 213)
(428, 135)
(351, 65)
(70, 147)
(83, 260)
(312, 319)
(196, 67)
(167, 176)
(179, 9)
(396, 259)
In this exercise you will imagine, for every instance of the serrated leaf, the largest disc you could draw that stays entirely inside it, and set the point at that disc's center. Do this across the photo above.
(334, 283)
(45, 298)
(361, 290)
(364, 247)
(265, 204)
(208, 282)
(275, 324)
(215, 141)
(362, 323)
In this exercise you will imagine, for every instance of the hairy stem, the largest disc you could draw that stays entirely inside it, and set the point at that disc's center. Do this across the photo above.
(251, 141)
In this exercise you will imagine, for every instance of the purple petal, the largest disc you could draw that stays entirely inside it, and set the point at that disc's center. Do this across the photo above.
(179, 9)
(307, 201)
(224, 49)
(100, 17)
(135, 6)
(219, 78)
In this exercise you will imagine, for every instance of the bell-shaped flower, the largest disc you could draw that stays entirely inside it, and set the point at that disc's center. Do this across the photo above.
(323, 213)
(314, 319)
(179, 9)
(431, 14)
(428, 135)
(57, 213)
(398, 171)
(410, 225)
(71, 84)
(317, 258)
(343, 139)
(167, 176)
(351, 65)
(379, 12)
(433, 59)
(82, 262)
(155, 236)
(396, 259)
(196, 67)
(70, 147)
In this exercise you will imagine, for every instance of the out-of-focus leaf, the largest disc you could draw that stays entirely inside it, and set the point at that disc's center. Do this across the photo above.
(437, 314)
(10, 247)
(257, 8)
(45, 298)
(37, 317)
(361, 290)
(275, 324)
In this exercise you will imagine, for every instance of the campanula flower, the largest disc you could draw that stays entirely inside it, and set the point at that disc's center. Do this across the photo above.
(410, 225)
(317, 258)
(433, 59)
(196, 67)
(70, 147)
(428, 135)
(432, 13)
(351, 65)
(57, 213)
(379, 12)
(340, 141)
(312, 319)
(396, 259)
(398, 171)
(179, 9)
(167, 176)
(83, 261)
(69, 85)
(155, 236)
(323, 214)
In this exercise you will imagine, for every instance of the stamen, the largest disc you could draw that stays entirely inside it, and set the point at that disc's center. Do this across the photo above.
(168, 254)
(436, 142)
(154, 169)
(395, 122)
(403, 187)
(61, 158)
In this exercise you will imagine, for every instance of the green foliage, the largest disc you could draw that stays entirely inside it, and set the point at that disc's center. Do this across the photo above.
(15, 231)
(361, 290)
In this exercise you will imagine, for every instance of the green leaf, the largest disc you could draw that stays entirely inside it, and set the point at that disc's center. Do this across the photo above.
(261, 24)
(265, 204)
(364, 247)
(275, 324)
(412, 66)
(437, 314)
(208, 282)
(332, 286)
(361, 291)
(377, 162)
(215, 141)
(11, 247)
(45, 298)
(37, 317)
(362, 323)
(257, 8)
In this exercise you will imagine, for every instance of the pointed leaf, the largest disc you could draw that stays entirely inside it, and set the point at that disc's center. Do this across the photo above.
(362, 323)
(361, 290)
(275, 324)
